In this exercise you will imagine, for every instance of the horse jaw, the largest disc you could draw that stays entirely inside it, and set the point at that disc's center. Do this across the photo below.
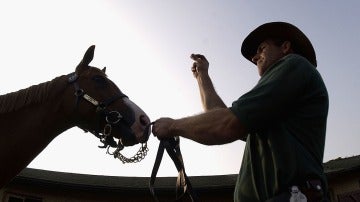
(139, 127)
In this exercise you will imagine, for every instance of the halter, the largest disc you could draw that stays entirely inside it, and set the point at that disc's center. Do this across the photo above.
(112, 118)
(115, 118)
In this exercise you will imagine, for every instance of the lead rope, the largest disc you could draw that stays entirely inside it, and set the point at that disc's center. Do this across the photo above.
(183, 184)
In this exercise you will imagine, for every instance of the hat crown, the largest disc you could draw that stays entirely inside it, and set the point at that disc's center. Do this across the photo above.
(278, 30)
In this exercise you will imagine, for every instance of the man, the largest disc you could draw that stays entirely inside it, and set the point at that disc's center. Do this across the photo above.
(282, 119)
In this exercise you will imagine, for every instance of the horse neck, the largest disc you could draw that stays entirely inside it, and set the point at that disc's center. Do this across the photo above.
(27, 128)
(44, 116)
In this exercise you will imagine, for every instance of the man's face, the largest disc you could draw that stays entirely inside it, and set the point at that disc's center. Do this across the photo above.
(267, 54)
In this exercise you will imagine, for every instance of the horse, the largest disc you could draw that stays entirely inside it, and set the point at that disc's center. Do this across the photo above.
(31, 118)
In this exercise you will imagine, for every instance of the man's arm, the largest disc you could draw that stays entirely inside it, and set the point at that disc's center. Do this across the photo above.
(218, 125)
(209, 98)
(215, 127)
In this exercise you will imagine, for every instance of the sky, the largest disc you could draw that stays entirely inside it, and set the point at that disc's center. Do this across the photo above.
(146, 47)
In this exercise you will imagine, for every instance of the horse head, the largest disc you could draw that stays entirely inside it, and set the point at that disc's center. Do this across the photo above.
(103, 109)
(30, 118)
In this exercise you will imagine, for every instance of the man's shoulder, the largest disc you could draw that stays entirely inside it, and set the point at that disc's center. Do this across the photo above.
(293, 63)
(292, 59)
(296, 60)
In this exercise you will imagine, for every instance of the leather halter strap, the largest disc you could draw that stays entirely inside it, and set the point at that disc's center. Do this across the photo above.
(79, 93)
(183, 184)
(112, 119)
(102, 112)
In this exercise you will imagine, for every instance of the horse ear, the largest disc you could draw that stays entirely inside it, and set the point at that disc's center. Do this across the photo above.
(104, 70)
(89, 55)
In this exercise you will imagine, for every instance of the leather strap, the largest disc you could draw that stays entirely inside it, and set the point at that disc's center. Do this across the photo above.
(183, 184)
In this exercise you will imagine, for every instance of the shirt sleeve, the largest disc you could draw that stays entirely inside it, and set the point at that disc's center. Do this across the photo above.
(276, 94)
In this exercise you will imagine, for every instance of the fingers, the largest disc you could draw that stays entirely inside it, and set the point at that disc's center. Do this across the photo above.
(154, 128)
(193, 68)
(200, 64)
(197, 57)
(161, 128)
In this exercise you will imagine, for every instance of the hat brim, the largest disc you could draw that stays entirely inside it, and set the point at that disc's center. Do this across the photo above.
(278, 30)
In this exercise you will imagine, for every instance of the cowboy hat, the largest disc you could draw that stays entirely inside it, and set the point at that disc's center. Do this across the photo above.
(278, 30)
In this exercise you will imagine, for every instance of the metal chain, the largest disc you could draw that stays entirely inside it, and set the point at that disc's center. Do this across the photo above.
(140, 155)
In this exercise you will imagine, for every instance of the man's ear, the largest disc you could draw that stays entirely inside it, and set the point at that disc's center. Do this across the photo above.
(286, 47)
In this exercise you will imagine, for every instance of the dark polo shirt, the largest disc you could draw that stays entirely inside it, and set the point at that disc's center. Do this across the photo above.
(285, 115)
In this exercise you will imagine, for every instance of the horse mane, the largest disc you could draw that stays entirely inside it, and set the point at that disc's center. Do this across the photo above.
(36, 94)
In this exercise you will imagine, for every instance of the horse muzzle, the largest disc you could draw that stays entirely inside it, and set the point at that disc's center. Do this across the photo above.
(138, 132)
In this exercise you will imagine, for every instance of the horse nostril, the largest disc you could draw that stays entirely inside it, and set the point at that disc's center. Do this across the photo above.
(144, 120)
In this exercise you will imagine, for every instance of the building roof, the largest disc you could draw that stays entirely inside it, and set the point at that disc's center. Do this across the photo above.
(84, 181)
(341, 165)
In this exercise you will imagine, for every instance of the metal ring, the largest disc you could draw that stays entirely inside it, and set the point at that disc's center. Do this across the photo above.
(107, 130)
(79, 92)
(109, 117)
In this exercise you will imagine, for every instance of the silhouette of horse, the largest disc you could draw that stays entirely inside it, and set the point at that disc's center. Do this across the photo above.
(31, 118)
